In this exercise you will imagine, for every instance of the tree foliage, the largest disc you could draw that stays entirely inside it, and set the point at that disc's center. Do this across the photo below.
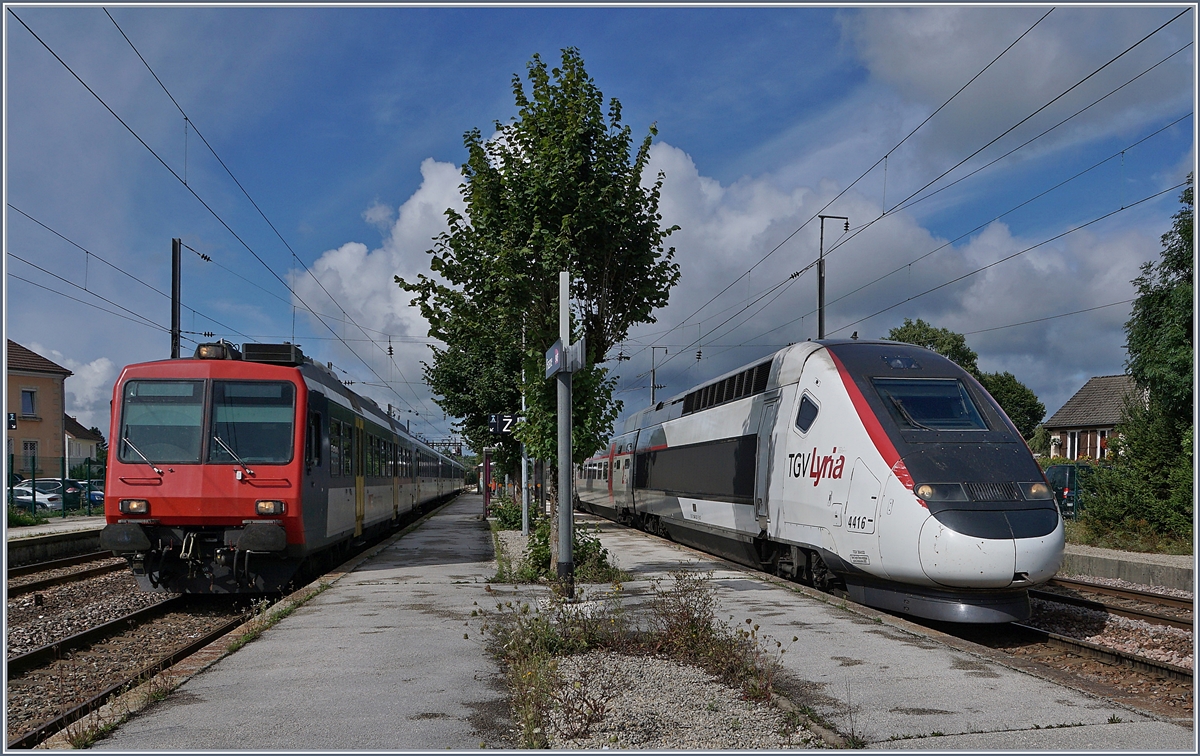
(951, 345)
(559, 187)
(1016, 399)
(1150, 481)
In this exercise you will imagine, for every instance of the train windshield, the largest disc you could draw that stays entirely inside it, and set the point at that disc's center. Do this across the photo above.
(252, 421)
(161, 421)
(941, 404)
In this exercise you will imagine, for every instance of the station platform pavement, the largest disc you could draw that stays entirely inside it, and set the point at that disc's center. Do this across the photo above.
(379, 661)
(57, 525)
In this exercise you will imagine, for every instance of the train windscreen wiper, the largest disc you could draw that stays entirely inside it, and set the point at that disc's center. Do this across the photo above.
(900, 406)
(225, 446)
(129, 443)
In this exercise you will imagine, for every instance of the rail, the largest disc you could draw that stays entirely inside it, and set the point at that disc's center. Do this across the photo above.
(1105, 654)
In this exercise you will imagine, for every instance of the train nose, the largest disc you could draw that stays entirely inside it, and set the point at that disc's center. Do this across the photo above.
(980, 549)
(953, 559)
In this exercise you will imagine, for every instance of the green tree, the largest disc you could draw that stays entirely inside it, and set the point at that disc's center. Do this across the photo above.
(1018, 401)
(1150, 486)
(951, 345)
(1159, 337)
(560, 187)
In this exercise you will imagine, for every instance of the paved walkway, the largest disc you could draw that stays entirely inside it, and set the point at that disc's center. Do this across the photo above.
(377, 662)
(890, 684)
(57, 525)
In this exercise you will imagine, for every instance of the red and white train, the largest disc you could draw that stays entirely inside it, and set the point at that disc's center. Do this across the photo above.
(875, 468)
(239, 471)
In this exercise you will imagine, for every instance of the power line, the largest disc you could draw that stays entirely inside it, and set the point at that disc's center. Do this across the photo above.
(968, 157)
(141, 322)
(253, 203)
(193, 192)
(116, 268)
(1015, 254)
(988, 222)
(864, 173)
(1050, 317)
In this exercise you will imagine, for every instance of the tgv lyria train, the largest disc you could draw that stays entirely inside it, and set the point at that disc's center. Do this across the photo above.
(871, 467)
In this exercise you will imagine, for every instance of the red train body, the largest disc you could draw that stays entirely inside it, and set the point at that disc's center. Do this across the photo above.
(229, 474)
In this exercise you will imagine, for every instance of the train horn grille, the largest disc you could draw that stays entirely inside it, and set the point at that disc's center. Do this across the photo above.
(992, 491)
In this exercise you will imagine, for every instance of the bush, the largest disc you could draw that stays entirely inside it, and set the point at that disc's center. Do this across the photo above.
(18, 517)
(508, 513)
(589, 555)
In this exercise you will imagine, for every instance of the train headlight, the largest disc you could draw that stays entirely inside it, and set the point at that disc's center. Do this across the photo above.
(940, 492)
(210, 352)
(269, 507)
(1036, 491)
(134, 506)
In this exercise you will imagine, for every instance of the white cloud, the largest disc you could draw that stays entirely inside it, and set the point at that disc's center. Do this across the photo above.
(89, 388)
(361, 282)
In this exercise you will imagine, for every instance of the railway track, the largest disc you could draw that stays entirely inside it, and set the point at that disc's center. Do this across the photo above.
(1139, 605)
(86, 699)
(61, 578)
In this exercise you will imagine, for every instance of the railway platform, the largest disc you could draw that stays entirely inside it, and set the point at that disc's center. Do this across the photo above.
(387, 658)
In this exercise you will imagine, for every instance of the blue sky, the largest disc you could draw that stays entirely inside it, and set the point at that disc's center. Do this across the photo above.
(345, 127)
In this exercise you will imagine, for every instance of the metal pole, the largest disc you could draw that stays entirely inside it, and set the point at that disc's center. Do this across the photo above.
(653, 382)
(524, 457)
(821, 274)
(487, 480)
(176, 264)
(821, 283)
(566, 565)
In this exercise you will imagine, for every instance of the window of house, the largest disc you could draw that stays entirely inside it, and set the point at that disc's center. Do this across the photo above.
(29, 453)
(1072, 444)
(1103, 444)
(29, 402)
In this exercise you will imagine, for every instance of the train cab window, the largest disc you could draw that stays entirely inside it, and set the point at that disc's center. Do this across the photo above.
(252, 421)
(807, 414)
(941, 404)
(161, 421)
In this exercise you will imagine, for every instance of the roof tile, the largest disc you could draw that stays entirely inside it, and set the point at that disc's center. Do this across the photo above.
(1096, 405)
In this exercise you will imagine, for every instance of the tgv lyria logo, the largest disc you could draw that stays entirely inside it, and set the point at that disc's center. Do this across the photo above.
(815, 466)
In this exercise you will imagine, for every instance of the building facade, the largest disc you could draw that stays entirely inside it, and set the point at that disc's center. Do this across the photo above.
(1081, 428)
(36, 395)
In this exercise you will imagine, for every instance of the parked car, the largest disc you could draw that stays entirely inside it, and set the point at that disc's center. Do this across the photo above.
(1068, 481)
(95, 491)
(48, 493)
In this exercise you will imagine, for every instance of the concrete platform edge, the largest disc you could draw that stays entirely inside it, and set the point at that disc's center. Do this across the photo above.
(1135, 572)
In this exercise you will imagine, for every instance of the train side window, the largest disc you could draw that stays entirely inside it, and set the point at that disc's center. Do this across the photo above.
(312, 452)
(807, 414)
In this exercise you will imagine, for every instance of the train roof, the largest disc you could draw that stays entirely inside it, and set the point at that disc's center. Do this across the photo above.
(678, 405)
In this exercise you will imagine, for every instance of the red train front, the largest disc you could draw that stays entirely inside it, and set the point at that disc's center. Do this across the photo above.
(206, 472)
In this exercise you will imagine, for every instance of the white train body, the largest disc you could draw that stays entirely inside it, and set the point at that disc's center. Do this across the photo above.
(809, 464)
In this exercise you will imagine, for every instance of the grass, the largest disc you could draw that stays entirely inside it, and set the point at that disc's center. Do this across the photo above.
(592, 563)
(1132, 536)
(680, 624)
(262, 618)
(19, 517)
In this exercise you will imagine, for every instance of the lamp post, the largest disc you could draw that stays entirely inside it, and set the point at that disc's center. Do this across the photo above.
(821, 274)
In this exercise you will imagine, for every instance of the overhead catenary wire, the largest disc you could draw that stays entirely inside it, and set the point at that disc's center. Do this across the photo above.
(865, 173)
(192, 191)
(1014, 254)
(117, 268)
(965, 234)
(188, 121)
(976, 152)
(140, 319)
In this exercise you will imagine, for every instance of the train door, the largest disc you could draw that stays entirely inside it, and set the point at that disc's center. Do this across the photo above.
(862, 512)
(359, 479)
(766, 454)
(393, 450)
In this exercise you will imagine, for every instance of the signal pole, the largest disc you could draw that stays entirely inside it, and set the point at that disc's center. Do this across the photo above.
(566, 524)
(653, 383)
(176, 265)
(821, 274)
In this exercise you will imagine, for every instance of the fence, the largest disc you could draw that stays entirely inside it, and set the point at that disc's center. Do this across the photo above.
(81, 477)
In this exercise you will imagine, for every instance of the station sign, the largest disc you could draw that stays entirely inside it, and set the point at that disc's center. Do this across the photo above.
(566, 360)
(12, 420)
(503, 424)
